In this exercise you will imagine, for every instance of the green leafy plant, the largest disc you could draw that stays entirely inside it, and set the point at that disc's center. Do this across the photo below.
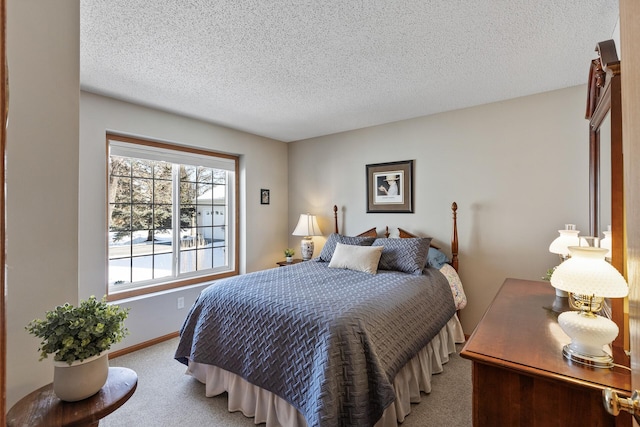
(289, 252)
(550, 271)
(77, 333)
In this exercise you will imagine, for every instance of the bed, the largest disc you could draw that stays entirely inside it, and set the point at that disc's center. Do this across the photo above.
(349, 338)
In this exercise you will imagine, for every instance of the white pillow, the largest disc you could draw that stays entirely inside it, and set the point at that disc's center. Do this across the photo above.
(358, 258)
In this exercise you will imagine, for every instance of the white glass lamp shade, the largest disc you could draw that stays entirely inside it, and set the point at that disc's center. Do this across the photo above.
(590, 241)
(605, 243)
(568, 237)
(307, 227)
(587, 273)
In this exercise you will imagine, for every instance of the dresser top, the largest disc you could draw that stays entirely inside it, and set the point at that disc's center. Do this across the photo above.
(520, 332)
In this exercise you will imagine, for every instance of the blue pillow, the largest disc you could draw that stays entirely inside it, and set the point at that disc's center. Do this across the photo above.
(335, 238)
(407, 255)
(436, 258)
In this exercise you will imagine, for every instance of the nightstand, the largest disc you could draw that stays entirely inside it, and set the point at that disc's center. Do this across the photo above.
(285, 263)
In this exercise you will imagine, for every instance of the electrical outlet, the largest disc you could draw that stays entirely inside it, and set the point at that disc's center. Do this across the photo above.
(180, 302)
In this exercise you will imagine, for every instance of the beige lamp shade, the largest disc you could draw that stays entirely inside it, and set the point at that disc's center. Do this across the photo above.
(307, 226)
(587, 273)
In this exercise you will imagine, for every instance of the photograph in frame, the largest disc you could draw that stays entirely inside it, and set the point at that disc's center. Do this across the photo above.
(390, 187)
(265, 196)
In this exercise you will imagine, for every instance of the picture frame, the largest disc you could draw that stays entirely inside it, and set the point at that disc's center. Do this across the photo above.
(390, 187)
(265, 196)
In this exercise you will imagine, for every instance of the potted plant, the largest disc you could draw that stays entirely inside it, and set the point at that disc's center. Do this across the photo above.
(289, 253)
(79, 338)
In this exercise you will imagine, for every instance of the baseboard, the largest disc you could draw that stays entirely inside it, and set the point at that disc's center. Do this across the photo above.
(142, 345)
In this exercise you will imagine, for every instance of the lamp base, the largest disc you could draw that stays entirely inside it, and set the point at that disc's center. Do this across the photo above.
(560, 305)
(562, 294)
(589, 334)
(602, 361)
(306, 248)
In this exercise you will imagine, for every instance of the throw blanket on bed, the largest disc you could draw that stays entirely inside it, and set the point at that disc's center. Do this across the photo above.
(329, 341)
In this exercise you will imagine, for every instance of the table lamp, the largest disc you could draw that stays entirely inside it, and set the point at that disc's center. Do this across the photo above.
(589, 279)
(605, 243)
(568, 237)
(560, 245)
(307, 227)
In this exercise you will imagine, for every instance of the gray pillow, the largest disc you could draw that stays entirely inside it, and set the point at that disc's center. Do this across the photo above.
(406, 255)
(333, 240)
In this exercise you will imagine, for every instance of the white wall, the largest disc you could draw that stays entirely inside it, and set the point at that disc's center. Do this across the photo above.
(56, 187)
(42, 177)
(263, 164)
(517, 169)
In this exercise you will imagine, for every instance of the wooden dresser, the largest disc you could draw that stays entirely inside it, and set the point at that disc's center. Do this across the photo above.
(519, 375)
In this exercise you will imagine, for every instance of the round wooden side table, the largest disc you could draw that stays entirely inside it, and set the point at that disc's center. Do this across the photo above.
(42, 408)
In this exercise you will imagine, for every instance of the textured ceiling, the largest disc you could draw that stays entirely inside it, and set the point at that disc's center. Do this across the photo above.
(296, 69)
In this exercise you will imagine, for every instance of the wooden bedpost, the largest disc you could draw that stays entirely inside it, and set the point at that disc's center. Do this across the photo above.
(335, 218)
(454, 237)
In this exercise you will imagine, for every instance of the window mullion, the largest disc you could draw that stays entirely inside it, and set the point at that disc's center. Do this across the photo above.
(175, 220)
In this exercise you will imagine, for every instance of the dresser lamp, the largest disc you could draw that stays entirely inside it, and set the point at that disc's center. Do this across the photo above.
(588, 279)
(307, 227)
(568, 237)
(605, 243)
(590, 241)
(560, 245)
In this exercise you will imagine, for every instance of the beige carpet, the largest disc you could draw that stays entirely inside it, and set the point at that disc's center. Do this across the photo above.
(167, 397)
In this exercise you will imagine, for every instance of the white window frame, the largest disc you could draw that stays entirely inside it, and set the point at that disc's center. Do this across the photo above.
(178, 155)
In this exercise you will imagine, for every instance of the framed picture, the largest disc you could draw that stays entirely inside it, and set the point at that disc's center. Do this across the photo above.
(390, 187)
(264, 196)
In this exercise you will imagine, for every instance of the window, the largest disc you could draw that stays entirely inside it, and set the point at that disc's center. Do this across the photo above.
(172, 216)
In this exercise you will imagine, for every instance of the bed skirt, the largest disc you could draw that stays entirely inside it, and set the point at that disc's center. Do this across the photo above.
(266, 407)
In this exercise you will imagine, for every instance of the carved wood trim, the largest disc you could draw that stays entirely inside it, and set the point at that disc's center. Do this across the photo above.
(604, 97)
(404, 234)
(372, 232)
(603, 90)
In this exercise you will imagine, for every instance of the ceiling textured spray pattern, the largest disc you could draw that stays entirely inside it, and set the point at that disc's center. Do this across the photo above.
(297, 69)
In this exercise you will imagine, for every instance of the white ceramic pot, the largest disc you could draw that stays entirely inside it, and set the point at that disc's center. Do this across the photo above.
(81, 379)
(289, 258)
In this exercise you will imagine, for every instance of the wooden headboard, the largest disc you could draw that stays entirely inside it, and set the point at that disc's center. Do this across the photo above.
(373, 232)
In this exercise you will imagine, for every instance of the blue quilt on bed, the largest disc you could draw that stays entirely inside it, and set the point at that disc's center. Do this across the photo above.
(329, 341)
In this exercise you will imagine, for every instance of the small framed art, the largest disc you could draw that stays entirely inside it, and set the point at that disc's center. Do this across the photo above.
(265, 196)
(390, 187)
